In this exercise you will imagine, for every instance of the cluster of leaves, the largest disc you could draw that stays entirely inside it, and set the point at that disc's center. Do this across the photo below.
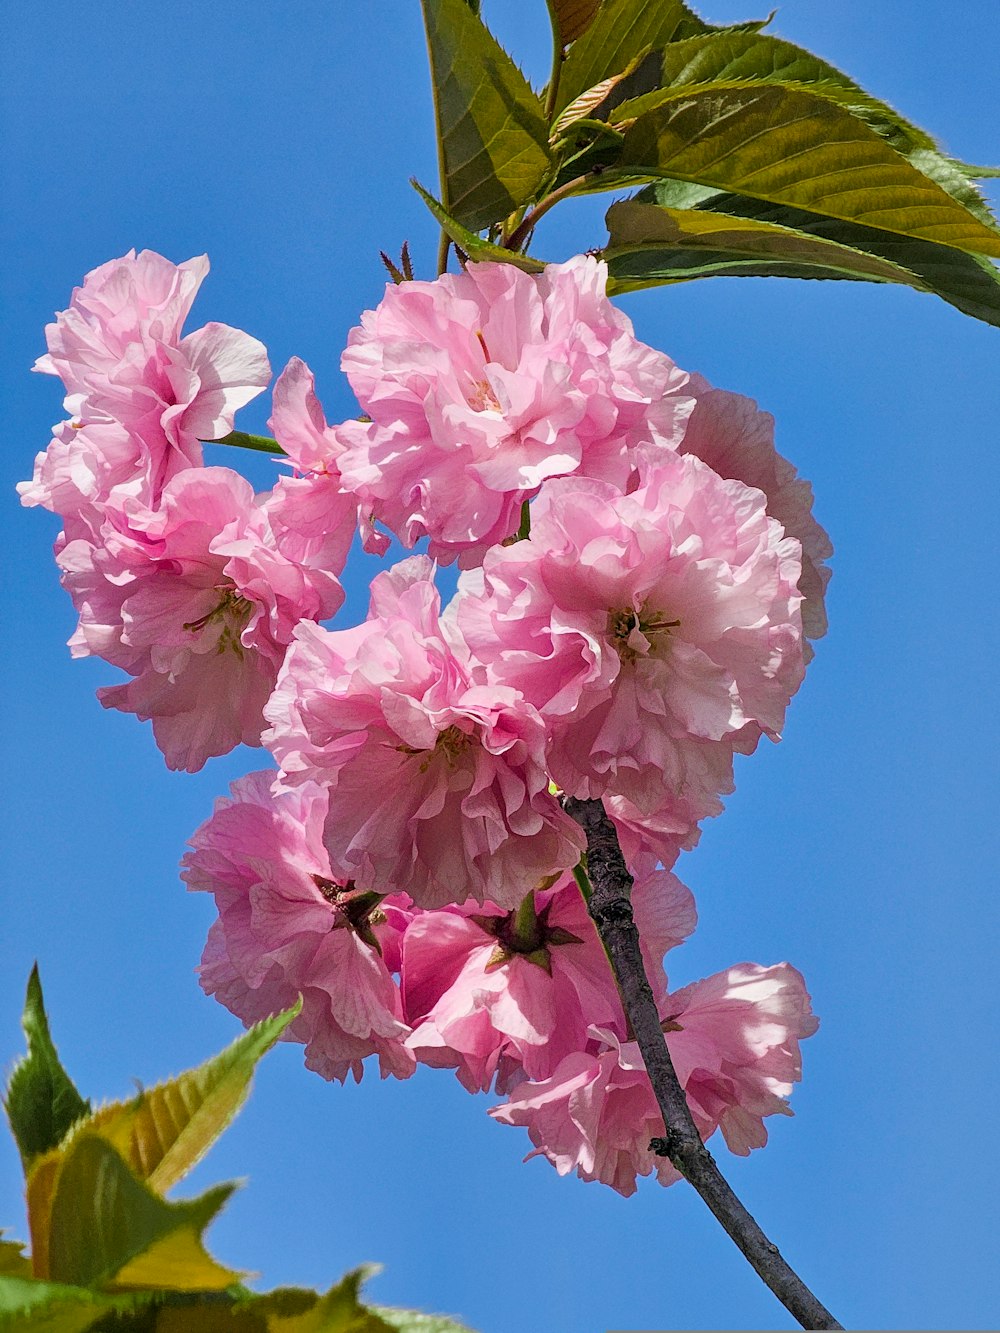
(752, 156)
(108, 1251)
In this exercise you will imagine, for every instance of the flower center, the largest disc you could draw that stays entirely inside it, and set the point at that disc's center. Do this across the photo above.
(481, 397)
(652, 625)
(232, 612)
(453, 742)
(353, 909)
(525, 932)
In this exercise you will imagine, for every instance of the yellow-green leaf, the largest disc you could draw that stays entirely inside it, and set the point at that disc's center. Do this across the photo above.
(969, 282)
(414, 1321)
(165, 1130)
(13, 1261)
(41, 1101)
(288, 1310)
(492, 130)
(731, 56)
(28, 1306)
(472, 244)
(643, 238)
(799, 149)
(108, 1229)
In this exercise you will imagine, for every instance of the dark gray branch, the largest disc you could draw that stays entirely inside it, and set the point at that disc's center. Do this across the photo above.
(611, 909)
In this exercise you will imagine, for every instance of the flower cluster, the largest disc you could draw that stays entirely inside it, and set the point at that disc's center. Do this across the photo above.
(181, 576)
(641, 573)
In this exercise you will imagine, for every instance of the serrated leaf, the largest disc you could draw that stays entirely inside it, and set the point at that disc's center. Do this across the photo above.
(474, 245)
(622, 30)
(492, 129)
(109, 1229)
(729, 56)
(651, 241)
(796, 148)
(30, 1306)
(340, 1310)
(41, 1100)
(572, 18)
(413, 1321)
(164, 1131)
(13, 1261)
(968, 282)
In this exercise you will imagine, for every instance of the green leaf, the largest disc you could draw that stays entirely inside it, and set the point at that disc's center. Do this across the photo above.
(572, 18)
(795, 148)
(474, 245)
(338, 1311)
(968, 282)
(654, 243)
(492, 130)
(622, 31)
(412, 1321)
(261, 443)
(13, 1261)
(165, 1130)
(744, 57)
(107, 1228)
(41, 1101)
(30, 1306)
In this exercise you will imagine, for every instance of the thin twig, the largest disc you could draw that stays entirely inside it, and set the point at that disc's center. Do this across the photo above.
(610, 907)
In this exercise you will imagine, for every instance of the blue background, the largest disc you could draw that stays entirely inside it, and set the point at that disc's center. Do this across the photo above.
(279, 138)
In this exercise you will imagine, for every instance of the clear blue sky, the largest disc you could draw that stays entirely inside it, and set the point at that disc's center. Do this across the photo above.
(279, 139)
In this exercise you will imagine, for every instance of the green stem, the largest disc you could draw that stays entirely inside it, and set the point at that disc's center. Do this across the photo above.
(263, 444)
(527, 225)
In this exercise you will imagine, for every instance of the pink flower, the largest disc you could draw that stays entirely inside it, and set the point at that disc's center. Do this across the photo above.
(508, 995)
(482, 385)
(734, 1040)
(141, 395)
(197, 601)
(311, 445)
(655, 632)
(288, 927)
(736, 439)
(438, 785)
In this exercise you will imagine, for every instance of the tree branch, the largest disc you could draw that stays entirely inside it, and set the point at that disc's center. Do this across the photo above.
(610, 907)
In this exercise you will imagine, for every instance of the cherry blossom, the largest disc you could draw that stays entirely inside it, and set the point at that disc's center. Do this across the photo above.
(438, 784)
(480, 386)
(197, 601)
(655, 632)
(734, 437)
(508, 995)
(140, 395)
(734, 1041)
(288, 927)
